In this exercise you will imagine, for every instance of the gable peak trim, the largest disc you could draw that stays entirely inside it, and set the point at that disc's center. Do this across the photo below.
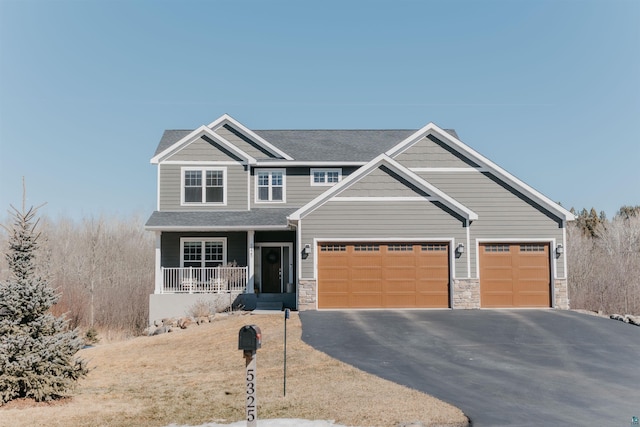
(484, 163)
(227, 119)
(195, 134)
(385, 160)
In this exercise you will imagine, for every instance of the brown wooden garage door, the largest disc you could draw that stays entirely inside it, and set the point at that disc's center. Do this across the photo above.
(383, 275)
(515, 275)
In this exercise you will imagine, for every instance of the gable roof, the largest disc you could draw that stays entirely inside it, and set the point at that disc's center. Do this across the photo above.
(384, 160)
(357, 146)
(226, 119)
(454, 143)
(193, 136)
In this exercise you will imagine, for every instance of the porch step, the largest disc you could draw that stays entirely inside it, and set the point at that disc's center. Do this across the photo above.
(269, 305)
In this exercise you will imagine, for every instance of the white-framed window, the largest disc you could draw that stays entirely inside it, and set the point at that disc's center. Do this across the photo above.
(204, 186)
(203, 252)
(270, 186)
(325, 177)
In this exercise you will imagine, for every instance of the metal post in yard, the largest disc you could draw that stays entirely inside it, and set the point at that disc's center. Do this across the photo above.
(284, 382)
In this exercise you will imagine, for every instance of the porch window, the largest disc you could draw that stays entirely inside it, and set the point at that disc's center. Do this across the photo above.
(204, 186)
(209, 252)
(325, 177)
(270, 185)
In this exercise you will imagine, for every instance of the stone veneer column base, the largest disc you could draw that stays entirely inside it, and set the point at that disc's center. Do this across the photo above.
(561, 294)
(466, 294)
(307, 295)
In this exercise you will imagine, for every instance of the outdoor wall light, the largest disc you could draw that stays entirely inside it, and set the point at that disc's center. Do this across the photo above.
(460, 248)
(559, 249)
(306, 250)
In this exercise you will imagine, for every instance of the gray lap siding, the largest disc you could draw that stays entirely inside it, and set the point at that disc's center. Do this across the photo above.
(503, 213)
(171, 188)
(370, 220)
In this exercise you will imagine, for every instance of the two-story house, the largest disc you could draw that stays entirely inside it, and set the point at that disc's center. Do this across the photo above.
(343, 219)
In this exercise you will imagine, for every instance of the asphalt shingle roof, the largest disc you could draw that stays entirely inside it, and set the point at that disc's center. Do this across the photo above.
(271, 217)
(320, 145)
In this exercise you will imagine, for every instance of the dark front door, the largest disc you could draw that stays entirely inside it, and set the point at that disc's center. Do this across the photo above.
(271, 269)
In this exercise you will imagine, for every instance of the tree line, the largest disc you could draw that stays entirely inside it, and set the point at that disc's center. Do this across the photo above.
(604, 261)
(101, 267)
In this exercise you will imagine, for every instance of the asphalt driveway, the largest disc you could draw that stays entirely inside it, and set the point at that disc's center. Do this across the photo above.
(501, 367)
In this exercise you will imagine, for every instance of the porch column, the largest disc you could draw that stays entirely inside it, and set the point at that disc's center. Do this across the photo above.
(158, 284)
(250, 260)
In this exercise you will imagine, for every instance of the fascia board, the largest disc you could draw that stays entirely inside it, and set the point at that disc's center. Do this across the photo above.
(201, 131)
(383, 159)
(216, 228)
(313, 163)
(225, 118)
(160, 156)
(469, 152)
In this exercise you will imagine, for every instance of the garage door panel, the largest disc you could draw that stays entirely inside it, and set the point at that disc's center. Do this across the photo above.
(397, 274)
(437, 300)
(384, 275)
(515, 275)
(400, 300)
(399, 286)
(364, 300)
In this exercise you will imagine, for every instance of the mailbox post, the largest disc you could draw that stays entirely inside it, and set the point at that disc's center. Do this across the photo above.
(249, 341)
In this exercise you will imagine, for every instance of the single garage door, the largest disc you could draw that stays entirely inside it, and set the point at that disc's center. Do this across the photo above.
(515, 275)
(383, 275)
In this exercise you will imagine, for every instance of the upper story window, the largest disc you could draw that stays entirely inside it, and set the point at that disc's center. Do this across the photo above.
(325, 176)
(270, 186)
(204, 186)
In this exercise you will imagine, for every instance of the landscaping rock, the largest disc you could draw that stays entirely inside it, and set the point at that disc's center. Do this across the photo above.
(162, 330)
(184, 322)
(634, 320)
(617, 317)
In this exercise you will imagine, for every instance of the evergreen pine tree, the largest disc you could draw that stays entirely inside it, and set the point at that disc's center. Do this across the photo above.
(37, 349)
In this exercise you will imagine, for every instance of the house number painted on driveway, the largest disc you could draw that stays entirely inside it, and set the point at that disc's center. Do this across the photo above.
(252, 404)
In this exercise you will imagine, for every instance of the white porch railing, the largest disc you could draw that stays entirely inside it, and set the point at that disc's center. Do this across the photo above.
(190, 280)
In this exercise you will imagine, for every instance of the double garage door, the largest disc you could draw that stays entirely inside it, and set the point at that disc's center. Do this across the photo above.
(416, 275)
(383, 275)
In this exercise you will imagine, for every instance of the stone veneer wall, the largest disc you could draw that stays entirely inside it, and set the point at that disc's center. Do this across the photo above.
(466, 293)
(561, 294)
(307, 295)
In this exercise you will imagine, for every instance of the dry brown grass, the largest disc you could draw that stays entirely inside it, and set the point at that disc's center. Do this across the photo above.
(196, 376)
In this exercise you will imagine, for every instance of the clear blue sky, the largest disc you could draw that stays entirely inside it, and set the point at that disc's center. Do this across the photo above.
(549, 90)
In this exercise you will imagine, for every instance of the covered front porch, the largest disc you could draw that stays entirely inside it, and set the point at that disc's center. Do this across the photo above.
(254, 269)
